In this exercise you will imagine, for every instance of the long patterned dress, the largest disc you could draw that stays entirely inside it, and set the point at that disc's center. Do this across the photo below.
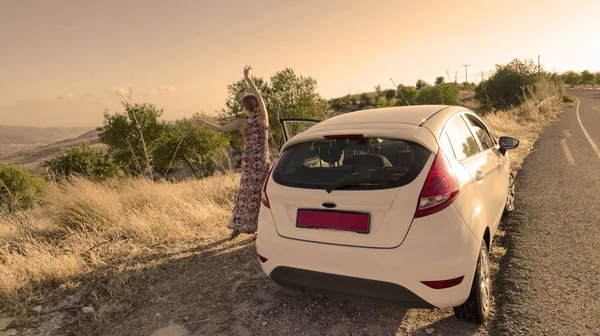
(255, 168)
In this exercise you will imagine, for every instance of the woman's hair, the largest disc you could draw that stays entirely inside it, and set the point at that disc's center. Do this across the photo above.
(250, 103)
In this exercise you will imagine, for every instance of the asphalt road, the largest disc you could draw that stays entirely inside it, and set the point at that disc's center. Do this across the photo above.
(549, 283)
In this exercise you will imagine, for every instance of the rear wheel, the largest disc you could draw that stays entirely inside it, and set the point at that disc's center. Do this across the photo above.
(510, 198)
(477, 307)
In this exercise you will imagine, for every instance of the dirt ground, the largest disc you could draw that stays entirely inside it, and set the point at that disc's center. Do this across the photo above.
(218, 288)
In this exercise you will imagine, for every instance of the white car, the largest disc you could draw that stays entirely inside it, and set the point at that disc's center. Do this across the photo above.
(394, 204)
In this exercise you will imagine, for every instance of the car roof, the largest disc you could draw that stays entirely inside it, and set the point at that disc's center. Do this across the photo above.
(413, 120)
(432, 117)
(412, 115)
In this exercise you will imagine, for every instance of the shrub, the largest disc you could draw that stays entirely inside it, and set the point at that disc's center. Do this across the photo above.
(185, 141)
(567, 99)
(406, 93)
(18, 187)
(447, 94)
(83, 161)
(507, 86)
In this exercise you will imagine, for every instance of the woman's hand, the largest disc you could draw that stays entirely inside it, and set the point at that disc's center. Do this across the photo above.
(247, 71)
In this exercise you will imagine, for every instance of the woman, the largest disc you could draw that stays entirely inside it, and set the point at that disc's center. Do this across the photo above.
(255, 159)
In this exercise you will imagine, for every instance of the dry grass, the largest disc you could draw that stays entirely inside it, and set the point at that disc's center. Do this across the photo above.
(527, 121)
(83, 227)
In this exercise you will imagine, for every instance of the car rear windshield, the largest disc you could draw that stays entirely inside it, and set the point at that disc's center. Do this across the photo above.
(350, 163)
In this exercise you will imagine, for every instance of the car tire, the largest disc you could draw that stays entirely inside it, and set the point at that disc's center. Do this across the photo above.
(477, 307)
(509, 205)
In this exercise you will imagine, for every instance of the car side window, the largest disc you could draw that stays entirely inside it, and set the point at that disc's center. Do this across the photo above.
(445, 145)
(461, 138)
(479, 129)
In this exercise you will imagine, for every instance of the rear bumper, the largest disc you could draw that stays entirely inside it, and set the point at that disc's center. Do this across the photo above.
(437, 247)
(347, 287)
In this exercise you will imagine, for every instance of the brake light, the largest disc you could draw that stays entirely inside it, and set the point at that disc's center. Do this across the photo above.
(264, 197)
(343, 136)
(440, 188)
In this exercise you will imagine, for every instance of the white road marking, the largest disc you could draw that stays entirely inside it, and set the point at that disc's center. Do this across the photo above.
(563, 143)
(585, 132)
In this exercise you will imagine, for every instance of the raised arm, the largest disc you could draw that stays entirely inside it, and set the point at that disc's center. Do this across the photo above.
(263, 117)
(232, 126)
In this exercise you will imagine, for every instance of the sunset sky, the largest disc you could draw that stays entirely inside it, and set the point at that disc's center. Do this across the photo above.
(62, 60)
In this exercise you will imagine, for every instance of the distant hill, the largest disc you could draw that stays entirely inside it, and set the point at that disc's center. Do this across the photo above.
(31, 156)
(23, 135)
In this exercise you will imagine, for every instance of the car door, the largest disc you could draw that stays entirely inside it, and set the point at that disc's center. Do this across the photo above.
(291, 127)
(498, 170)
(467, 151)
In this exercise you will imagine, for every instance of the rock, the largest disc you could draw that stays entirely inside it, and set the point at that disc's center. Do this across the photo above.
(264, 324)
(185, 319)
(88, 310)
(37, 309)
(10, 332)
(6, 322)
(429, 331)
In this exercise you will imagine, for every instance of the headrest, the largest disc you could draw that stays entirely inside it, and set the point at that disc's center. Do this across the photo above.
(329, 152)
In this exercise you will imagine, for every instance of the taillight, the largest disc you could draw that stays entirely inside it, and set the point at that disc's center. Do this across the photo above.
(264, 197)
(440, 188)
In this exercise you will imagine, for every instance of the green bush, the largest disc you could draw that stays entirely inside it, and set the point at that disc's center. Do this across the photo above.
(18, 188)
(185, 141)
(567, 99)
(406, 93)
(83, 161)
(447, 94)
(507, 86)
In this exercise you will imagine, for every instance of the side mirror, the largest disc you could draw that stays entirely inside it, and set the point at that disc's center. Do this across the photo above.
(507, 143)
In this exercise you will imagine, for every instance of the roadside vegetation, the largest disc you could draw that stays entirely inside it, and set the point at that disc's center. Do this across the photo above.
(99, 225)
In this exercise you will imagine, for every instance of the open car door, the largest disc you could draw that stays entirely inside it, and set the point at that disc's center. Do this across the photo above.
(291, 127)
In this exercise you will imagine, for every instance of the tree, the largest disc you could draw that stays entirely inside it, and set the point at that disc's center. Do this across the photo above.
(588, 77)
(406, 93)
(421, 84)
(390, 94)
(83, 161)
(366, 100)
(286, 95)
(132, 136)
(439, 80)
(507, 86)
(378, 95)
(571, 78)
(185, 141)
(447, 94)
(18, 188)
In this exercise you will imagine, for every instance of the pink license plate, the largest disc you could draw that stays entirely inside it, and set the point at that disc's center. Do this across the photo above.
(333, 220)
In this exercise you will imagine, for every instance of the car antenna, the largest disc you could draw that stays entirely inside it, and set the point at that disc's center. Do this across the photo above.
(400, 92)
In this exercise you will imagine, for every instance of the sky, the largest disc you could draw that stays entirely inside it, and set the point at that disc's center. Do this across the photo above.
(63, 61)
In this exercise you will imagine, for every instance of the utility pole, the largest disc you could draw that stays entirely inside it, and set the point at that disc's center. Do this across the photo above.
(466, 75)
(539, 69)
(482, 76)
(455, 76)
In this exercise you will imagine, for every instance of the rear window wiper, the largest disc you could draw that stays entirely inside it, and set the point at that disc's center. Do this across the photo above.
(349, 180)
